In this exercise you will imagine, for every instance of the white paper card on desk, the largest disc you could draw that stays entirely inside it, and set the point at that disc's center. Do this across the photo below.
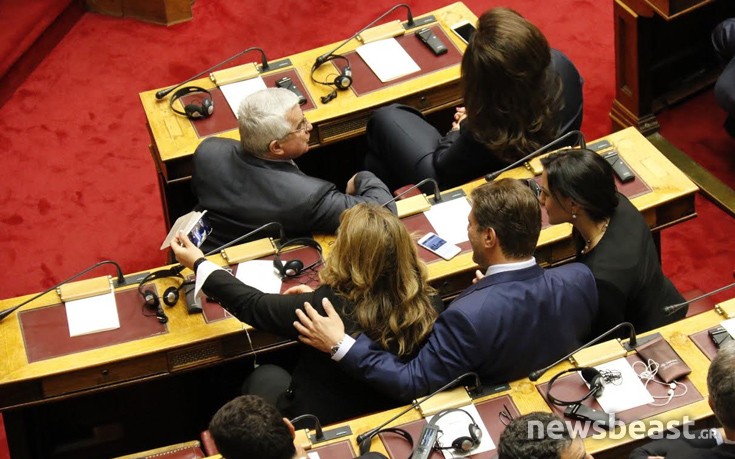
(313, 455)
(259, 274)
(729, 325)
(93, 314)
(449, 219)
(235, 92)
(629, 392)
(456, 424)
(387, 59)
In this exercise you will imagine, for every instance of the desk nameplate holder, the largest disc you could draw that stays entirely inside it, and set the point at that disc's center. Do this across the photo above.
(446, 400)
(727, 311)
(412, 206)
(85, 289)
(249, 251)
(601, 353)
(245, 72)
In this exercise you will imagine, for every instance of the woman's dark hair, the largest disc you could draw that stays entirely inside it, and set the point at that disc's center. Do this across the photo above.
(585, 177)
(511, 93)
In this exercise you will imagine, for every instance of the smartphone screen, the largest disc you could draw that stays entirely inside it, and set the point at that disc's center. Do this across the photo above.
(199, 233)
(439, 246)
(464, 30)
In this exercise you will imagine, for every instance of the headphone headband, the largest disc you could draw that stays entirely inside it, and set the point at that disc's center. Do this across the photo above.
(193, 111)
(461, 444)
(294, 268)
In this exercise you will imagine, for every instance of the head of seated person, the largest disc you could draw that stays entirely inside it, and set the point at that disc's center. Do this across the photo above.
(249, 427)
(540, 436)
(512, 94)
(578, 187)
(721, 387)
(374, 265)
(272, 125)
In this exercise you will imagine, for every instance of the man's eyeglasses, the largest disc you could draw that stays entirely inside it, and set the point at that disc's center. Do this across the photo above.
(506, 417)
(303, 125)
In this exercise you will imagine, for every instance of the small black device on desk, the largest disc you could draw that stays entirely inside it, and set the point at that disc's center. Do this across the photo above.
(619, 167)
(720, 336)
(287, 83)
(427, 36)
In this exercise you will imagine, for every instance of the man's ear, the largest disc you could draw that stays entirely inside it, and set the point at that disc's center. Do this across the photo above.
(490, 238)
(290, 426)
(275, 148)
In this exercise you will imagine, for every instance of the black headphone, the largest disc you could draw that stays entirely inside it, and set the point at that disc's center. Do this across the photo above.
(365, 444)
(342, 81)
(193, 111)
(463, 444)
(591, 375)
(295, 267)
(170, 296)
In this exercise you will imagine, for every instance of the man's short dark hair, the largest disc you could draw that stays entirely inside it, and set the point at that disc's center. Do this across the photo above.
(513, 211)
(721, 385)
(538, 435)
(249, 427)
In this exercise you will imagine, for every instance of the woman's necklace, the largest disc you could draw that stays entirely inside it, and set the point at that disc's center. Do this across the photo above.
(590, 243)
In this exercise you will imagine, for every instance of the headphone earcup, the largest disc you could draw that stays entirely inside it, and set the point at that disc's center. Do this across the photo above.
(594, 379)
(463, 444)
(293, 267)
(344, 79)
(151, 300)
(171, 296)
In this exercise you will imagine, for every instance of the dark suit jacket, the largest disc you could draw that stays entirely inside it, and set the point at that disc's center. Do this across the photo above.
(242, 192)
(685, 449)
(503, 327)
(631, 285)
(318, 385)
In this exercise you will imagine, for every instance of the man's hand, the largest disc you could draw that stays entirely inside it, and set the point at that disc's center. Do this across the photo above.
(351, 187)
(478, 275)
(185, 251)
(318, 331)
(296, 289)
(459, 115)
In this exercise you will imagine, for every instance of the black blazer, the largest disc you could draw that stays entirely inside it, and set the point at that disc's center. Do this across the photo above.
(319, 386)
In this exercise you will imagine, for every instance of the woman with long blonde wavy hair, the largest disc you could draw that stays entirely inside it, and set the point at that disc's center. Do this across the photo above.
(378, 286)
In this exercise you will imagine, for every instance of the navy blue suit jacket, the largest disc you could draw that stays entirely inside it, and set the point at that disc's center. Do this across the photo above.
(503, 327)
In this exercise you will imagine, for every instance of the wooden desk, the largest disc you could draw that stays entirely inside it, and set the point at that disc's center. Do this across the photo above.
(663, 53)
(174, 139)
(527, 398)
(670, 201)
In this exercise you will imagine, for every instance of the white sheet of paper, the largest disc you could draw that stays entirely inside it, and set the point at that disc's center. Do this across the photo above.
(455, 425)
(235, 92)
(93, 314)
(630, 393)
(449, 219)
(312, 455)
(259, 274)
(729, 325)
(387, 59)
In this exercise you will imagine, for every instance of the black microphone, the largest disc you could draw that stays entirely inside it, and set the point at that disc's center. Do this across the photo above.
(325, 57)
(668, 310)
(437, 193)
(318, 432)
(120, 281)
(580, 138)
(367, 436)
(264, 62)
(632, 343)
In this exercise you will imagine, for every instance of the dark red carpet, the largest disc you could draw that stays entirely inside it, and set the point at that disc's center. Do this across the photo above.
(78, 184)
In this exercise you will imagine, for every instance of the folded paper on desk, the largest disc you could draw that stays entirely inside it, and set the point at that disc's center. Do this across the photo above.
(259, 274)
(93, 314)
(449, 219)
(670, 365)
(387, 59)
(235, 92)
(622, 393)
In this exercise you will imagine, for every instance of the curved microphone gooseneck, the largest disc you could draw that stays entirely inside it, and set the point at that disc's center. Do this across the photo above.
(164, 92)
(120, 281)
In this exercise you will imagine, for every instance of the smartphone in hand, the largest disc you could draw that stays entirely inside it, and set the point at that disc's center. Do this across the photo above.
(439, 246)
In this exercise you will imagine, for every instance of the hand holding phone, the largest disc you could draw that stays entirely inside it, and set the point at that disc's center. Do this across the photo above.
(437, 245)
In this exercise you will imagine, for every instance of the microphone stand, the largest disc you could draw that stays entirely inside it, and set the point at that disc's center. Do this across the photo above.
(164, 92)
(120, 281)
(632, 343)
(367, 436)
(325, 57)
(668, 310)
(580, 138)
(437, 193)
